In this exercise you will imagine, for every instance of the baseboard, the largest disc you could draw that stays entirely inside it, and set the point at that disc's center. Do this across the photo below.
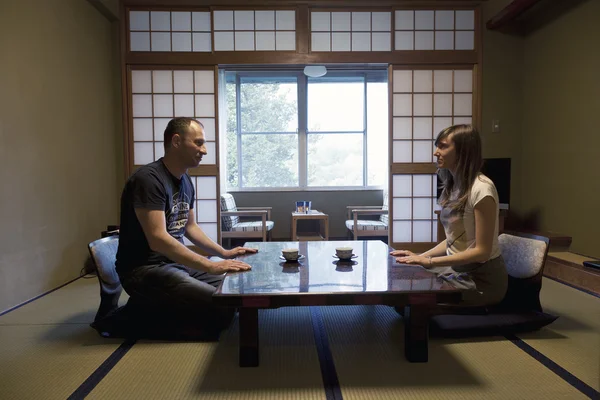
(573, 273)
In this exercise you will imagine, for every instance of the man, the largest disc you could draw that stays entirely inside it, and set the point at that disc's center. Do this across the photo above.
(157, 210)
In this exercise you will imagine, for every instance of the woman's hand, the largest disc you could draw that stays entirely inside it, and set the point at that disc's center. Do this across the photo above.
(402, 253)
(414, 260)
(408, 257)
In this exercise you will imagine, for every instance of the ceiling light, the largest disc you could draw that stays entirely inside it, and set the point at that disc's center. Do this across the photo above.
(315, 71)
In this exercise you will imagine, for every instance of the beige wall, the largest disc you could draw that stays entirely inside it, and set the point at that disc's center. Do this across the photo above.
(544, 89)
(59, 141)
(501, 95)
(561, 137)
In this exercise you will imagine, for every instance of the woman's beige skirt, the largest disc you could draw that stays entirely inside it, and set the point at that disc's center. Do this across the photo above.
(484, 283)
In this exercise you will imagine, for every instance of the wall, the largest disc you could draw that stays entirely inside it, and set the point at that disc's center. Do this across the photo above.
(60, 135)
(502, 92)
(561, 100)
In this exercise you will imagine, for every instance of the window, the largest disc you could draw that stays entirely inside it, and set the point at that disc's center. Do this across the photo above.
(285, 130)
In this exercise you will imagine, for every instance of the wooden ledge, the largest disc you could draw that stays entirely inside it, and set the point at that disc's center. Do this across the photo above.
(558, 242)
(571, 272)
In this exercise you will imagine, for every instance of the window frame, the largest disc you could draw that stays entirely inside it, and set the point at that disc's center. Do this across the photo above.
(235, 75)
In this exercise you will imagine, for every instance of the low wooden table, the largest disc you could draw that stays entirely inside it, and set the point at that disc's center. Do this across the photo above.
(318, 279)
(323, 219)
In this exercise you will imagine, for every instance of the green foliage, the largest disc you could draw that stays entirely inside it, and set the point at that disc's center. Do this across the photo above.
(270, 160)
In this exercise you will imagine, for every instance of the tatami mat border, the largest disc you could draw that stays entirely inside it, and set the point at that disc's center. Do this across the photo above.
(557, 369)
(90, 383)
(331, 382)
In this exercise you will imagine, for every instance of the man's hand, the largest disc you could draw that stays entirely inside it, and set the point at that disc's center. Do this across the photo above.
(239, 251)
(220, 267)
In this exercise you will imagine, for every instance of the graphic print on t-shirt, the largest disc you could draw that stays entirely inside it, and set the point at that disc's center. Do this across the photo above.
(454, 227)
(177, 216)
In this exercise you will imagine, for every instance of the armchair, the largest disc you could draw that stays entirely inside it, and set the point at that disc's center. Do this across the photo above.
(232, 227)
(360, 227)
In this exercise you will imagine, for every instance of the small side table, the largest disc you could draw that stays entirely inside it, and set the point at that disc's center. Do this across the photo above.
(323, 233)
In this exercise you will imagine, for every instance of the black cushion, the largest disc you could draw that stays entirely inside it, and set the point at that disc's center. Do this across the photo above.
(135, 321)
(522, 294)
(494, 324)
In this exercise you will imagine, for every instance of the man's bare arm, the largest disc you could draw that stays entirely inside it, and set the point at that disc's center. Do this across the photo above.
(154, 227)
(197, 236)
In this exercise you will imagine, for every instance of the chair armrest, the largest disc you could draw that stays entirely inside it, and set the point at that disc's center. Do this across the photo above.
(369, 212)
(351, 209)
(249, 213)
(267, 209)
(355, 213)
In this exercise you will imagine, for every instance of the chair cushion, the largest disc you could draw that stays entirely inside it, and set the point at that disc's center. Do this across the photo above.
(366, 225)
(524, 257)
(385, 218)
(495, 324)
(251, 226)
(228, 204)
(104, 252)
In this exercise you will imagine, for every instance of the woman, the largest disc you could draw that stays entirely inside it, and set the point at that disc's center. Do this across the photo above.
(469, 258)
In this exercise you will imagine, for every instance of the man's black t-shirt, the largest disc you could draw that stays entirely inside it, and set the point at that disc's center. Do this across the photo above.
(151, 187)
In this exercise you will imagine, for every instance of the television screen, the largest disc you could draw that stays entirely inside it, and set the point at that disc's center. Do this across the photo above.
(498, 170)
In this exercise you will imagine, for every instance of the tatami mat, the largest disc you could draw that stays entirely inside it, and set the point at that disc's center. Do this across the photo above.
(47, 348)
(573, 340)
(289, 365)
(367, 344)
(75, 303)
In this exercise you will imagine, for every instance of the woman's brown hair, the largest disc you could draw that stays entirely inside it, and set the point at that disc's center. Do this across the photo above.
(469, 161)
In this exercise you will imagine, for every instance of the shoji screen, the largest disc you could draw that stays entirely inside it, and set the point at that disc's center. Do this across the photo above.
(157, 95)
(350, 31)
(425, 100)
(224, 30)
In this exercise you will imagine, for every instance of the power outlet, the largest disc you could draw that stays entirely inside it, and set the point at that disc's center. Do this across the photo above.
(496, 126)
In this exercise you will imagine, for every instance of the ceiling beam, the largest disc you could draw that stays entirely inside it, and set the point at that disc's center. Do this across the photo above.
(509, 13)
(108, 8)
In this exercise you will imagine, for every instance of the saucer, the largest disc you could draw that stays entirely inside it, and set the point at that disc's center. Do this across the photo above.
(344, 264)
(345, 259)
(300, 257)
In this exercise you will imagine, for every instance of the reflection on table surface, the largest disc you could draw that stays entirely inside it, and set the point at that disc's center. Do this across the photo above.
(373, 270)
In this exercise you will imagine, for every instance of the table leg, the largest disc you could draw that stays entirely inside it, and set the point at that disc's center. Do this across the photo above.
(248, 337)
(294, 229)
(416, 330)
